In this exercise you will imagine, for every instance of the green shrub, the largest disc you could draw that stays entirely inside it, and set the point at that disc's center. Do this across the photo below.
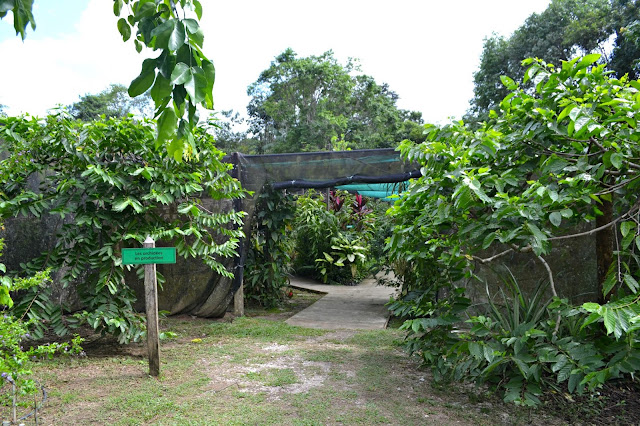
(559, 151)
(268, 259)
(523, 346)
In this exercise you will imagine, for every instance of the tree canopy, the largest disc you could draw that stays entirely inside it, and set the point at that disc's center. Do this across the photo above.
(112, 102)
(313, 103)
(566, 29)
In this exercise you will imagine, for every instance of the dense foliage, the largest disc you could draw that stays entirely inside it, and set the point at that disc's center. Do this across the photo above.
(110, 188)
(269, 255)
(561, 154)
(308, 104)
(332, 243)
(566, 29)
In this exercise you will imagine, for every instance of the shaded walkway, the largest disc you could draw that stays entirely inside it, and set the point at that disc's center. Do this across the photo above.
(358, 307)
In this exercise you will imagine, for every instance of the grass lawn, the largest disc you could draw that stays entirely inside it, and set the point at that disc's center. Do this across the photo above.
(259, 370)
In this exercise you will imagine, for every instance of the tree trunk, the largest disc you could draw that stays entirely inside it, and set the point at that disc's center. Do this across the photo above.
(604, 246)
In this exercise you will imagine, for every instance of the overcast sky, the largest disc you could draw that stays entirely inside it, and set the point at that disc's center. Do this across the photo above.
(427, 51)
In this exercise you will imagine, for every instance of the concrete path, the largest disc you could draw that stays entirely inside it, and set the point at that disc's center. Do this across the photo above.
(358, 307)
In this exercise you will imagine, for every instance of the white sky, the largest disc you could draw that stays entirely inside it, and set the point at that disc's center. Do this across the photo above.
(426, 50)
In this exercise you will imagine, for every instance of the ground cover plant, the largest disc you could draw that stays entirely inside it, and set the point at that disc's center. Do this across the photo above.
(562, 153)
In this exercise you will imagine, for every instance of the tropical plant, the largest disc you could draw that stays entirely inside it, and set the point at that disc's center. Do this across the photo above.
(345, 252)
(523, 345)
(111, 189)
(268, 258)
(328, 239)
(313, 229)
(559, 154)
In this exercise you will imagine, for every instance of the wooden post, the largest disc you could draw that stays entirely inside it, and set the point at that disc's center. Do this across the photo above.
(151, 300)
(238, 301)
(238, 296)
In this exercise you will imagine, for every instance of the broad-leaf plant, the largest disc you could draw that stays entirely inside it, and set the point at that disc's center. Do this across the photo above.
(558, 154)
(109, 188)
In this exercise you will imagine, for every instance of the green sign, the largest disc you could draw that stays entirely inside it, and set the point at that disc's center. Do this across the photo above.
(145, 256)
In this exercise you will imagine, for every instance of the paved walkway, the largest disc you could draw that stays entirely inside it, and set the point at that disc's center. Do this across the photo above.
(358, 307)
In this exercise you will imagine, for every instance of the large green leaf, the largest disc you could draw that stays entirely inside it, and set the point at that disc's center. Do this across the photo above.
(210, 74)
(631, 283)
(162, 33)
(616, 160)
(539, 238)
(588, 60)
(167, 126)
(175, 149)
(191, 25)
(117, 7)
(160, 90)
(22, 15)
(177, 37)
(196, 85)
(181, 73)
(124, 29)
(555, 218)
(626, 226)
(610, 320)
(143, 82)
(197, 8)
(145, 10)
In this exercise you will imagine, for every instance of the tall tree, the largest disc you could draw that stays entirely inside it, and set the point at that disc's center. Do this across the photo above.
(229, 130)
(566, 29)
(303, 104)
(112, 102)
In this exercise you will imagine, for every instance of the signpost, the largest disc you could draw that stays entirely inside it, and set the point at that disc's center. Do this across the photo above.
(149, 256)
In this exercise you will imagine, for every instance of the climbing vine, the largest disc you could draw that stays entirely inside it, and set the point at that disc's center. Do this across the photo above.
(268, 258)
